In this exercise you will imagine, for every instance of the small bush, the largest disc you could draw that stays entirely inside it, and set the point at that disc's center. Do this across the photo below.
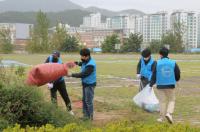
(25, 105)
(112, 127)
(3, 124)
(20, 71)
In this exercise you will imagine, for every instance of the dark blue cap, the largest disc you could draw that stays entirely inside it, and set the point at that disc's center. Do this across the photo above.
(56, 53)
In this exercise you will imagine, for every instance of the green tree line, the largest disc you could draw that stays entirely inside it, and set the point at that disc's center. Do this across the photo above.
(42, 41)
(173, 39)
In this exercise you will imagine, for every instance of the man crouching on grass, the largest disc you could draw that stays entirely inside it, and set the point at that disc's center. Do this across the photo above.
(88, 76)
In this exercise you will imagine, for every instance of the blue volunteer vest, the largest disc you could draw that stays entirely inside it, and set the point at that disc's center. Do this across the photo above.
(92, 77)
(146, 69)
(165, 72)
(59, 62)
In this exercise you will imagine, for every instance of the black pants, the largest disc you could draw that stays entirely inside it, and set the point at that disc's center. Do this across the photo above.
(61, 87)
(143, 82)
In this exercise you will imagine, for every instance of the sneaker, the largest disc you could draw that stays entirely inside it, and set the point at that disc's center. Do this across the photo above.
(169, 118)
(160, 120)
(71, 112)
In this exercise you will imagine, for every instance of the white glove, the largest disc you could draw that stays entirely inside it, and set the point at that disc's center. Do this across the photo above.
(150, 88)
(50, 85)
(138, 76)
(69, 74)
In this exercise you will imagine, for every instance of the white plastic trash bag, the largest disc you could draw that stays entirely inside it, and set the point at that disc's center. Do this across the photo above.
(147, 99)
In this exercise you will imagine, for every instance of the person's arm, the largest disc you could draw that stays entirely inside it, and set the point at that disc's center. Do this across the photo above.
(139, 67)
(89, 69)
(153, 66)
(177, 72)
(78, 63)
(153, 78)
(47, 60)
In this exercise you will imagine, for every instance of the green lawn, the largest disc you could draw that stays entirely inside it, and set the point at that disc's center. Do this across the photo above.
(116, 85)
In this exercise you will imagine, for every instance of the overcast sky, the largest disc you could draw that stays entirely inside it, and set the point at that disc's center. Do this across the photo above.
(147, 6)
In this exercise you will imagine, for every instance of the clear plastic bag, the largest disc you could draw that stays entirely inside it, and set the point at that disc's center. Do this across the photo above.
(147, 100)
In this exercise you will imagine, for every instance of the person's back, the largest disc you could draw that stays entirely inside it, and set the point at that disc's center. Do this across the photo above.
(165, 74)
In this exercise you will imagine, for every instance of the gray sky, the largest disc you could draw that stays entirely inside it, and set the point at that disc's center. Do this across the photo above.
(148, 6)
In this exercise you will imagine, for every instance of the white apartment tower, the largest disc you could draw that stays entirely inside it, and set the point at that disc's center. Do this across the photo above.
(86, 21)
(152, 26)
(93, 20)
(131, 21)
(198, 34)
(189, 27)
(158, 25)
(139, 24)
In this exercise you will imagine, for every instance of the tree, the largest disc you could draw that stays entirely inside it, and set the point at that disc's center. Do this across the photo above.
(5, 41)
(59, 37)
(133, 43)
(179, 30)
(109, 43)
(155, 46)
(174, 41)
(174, 38)
(71, 44)
(39, 34)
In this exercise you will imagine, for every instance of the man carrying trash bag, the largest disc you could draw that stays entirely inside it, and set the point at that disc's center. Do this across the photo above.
(165, 74)
(145, 68)
(59, 84)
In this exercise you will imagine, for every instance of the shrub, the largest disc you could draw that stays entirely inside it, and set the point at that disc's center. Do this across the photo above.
(20, 71)
(25, 105)
(112, 127)
(3, 124)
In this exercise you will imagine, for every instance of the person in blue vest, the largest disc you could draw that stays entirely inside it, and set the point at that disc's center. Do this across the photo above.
(88, 77)
(59, 84)
(145, 68)
(165, 75)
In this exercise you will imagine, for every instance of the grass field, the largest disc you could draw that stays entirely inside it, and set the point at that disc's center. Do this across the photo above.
(116, 87)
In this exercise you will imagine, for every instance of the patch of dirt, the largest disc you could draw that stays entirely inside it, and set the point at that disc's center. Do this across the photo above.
(189, 87)
(103, 114)
(102, 118)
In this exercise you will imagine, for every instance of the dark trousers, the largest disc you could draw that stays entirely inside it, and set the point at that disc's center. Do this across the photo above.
(61, 87)
(143, 82)
(88, 96)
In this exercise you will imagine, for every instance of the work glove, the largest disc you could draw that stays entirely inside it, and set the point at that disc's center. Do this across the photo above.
(138, 76)
(69, 74)
(50, 85)
(76, 62)
(150, 87)
(70, 64)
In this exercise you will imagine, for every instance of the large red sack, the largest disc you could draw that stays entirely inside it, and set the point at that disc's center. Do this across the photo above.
(44, 73)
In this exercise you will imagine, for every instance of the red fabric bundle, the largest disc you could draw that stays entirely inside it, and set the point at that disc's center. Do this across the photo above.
(44, 73)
